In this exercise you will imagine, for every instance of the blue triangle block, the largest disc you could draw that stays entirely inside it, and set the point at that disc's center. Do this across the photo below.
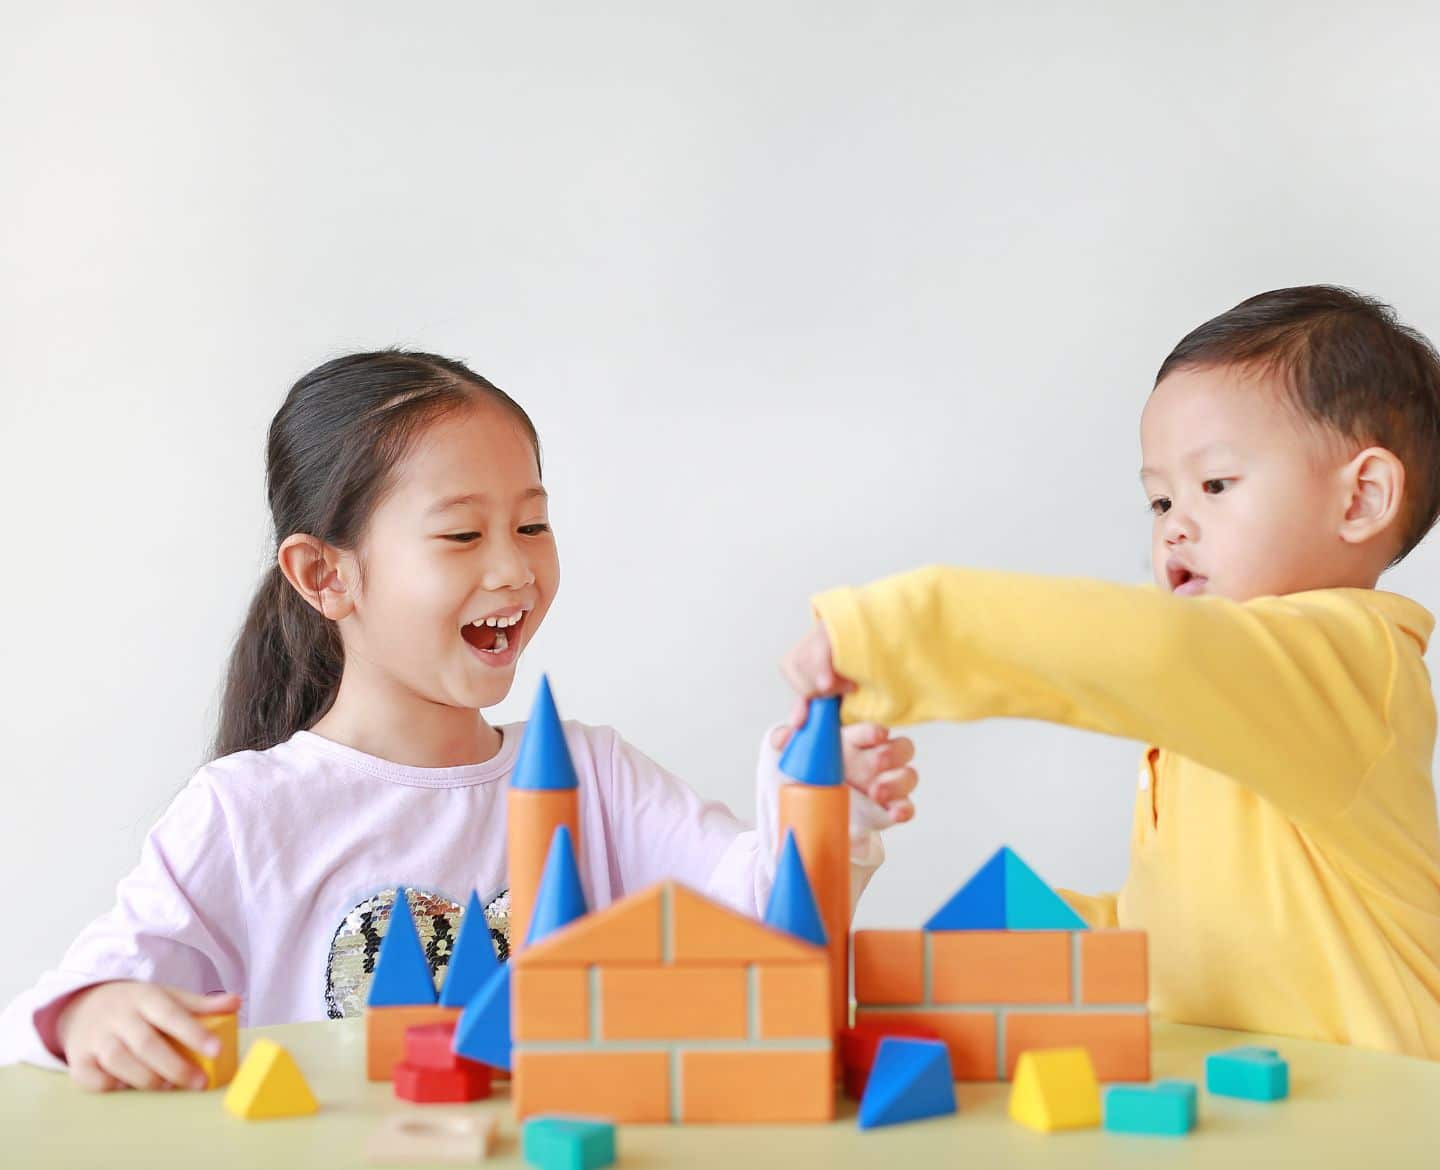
(792, 902)
(979, 904)
(1030, 904)
(402, 976)
(909, 1080)
(544, 760)
(473, 961)
(483, 1031)
(561, 898)
(814, 754)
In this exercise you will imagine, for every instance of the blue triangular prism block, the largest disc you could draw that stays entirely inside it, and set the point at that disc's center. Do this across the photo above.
(402, 976)
(483, 1031)
(561, 898)
(473, 961)
(1030, 904)
(977, 905)
(909, 1080)
(792, 902)
(814, 754)
(544, 759)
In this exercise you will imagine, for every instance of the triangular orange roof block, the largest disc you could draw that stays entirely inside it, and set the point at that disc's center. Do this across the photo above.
(627, 931)
(702, 931)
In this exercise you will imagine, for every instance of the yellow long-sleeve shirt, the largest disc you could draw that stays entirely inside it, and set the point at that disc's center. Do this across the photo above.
(1285, 857)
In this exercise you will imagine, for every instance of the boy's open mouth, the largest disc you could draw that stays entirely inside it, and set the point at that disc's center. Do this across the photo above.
(494, 635)
(1182, 579)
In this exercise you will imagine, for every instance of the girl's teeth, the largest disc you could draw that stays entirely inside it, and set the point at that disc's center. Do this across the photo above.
(502, 642)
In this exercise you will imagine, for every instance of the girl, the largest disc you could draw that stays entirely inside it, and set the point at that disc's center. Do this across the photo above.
(414, 564)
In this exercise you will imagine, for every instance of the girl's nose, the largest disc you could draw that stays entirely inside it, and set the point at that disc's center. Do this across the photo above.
(506, 568)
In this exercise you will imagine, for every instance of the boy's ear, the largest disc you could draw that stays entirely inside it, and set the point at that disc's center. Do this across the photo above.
(1374, 483)
(314, 570)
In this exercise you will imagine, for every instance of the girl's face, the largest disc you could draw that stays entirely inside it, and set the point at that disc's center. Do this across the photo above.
(459, 562)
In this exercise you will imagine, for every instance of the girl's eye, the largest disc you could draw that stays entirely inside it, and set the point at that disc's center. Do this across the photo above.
(1159, 505)
(462, 537)
(1213, 487)
(534, 529)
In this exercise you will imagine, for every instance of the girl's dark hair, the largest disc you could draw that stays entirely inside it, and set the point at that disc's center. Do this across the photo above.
(331, 451)
(1347, 363)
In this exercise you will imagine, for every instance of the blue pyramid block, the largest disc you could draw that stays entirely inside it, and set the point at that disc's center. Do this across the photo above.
(483, 1031)
(1032, 905)
(977, 905)
(814, 754)
(402, 976)
(909, 1080)
(544, 760)
(792, 902)
(561, 898)
(473, 961)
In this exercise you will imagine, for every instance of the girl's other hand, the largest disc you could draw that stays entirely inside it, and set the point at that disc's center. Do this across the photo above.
(875, 764)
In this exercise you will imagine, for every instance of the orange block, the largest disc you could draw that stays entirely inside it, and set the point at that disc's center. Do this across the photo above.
(532, 816)
(970, 1037)
(820, 818)
(1118, 1042)
(1114, 967)
(385, 1029)
(889, 966)
(674, 1003)
(756, 1086)
(627, 931)
(621, 1086)
(999, 966)
(794, 1001)
(550, 1003)
(220, 1068)
(702, 931)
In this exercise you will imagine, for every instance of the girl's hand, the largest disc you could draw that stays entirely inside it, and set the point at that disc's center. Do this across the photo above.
(875, 764)
(117, 1035)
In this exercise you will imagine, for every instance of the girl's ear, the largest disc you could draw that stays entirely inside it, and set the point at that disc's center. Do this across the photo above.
(313, 569)
(1374, 484)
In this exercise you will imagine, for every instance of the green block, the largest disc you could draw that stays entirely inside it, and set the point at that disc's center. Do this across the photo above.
(1254, 1074)
(568, 1143)
(1166, 1109)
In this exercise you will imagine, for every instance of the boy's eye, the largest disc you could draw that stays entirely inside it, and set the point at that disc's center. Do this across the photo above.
(1159, 505)
(534, 529)
(1213, 487)
(462, 537)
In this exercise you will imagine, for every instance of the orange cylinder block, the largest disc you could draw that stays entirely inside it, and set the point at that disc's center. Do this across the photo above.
(532, 816)
(820, 818)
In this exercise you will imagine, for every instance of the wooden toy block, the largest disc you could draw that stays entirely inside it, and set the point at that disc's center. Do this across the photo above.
(1254, 1074)
(627, 931)
(474, 959)
(533, 815)
(910, 1081)
(1165, 1109)
(409, 1139)
(702, 931)
(982, 966)
(568, 1143)
(550, 1003)
(819, 816)
(674, 1003)
(268, 1084)
(1055, 1088)
(432, 1046)
(1005, 894)
(889, 966)
(1114, 967)
(815, 753)
(859, 1044)
(385, 1029)
(219, 1069)
(402, 973)
(628, 1087)
(560, 899)
(762, 1085)
(483, 1031)
(794, 1001)
(971, 1037)
(470, 1082)
(791, 907)
(1118, 1043)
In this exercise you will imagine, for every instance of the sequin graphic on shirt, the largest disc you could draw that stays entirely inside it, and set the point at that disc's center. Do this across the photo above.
(356, 945)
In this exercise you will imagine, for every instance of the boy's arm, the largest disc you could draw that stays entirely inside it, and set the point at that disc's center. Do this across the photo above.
(1287, 695)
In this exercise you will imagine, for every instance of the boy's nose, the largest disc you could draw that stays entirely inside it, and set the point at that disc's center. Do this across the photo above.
(1178, 527)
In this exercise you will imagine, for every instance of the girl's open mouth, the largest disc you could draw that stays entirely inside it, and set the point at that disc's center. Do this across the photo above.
(495, 635)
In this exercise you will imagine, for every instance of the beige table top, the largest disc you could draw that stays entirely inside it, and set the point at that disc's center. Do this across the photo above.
(1347, 1108)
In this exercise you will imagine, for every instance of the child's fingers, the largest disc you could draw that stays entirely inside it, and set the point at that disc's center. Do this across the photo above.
(865, 735)
(893, 786)
(115, 1058)
(174, 1021)
(161, 1057)
(87, 1073)
(901, 811)
(203, 1003)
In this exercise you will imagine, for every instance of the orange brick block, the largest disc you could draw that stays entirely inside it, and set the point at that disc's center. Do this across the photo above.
(702, 931)
(985, 966)
(794, 1001)
(889, 966)
(970, 1037)
(757, 1086)
(219, 1069)
(1118, 1042)
(627, 931)
(385, 1029)
(1114, 967)
(629, 1087)
(674, 1003)
(550, 1003)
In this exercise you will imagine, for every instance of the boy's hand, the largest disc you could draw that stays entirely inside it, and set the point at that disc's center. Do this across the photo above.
(875, 764)
(810, 670)
(114, 1036)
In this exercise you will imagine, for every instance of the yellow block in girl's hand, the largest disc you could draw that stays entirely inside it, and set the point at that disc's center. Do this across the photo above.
(218, 1069)
(269, 1084)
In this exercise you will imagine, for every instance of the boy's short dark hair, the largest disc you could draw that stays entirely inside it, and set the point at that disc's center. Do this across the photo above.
(1351, 366)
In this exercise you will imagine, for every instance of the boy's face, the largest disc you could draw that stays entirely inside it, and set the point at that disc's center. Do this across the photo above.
(1247, 498)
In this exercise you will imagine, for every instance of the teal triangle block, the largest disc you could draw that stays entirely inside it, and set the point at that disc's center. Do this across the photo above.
(1030, 904)
(473, 961)
(402, 976)
(483, 1030)
(561, 898)
(544, 759)
(909, 1080)
(792, 902)
(814, 754)
(979, 904)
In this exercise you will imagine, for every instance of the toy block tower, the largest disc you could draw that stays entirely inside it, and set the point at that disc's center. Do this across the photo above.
(402, 994)
(543, 796)
(816, 809)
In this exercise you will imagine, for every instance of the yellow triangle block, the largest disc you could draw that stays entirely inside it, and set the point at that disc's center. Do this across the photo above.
(1055, 1088)
(268, 1084)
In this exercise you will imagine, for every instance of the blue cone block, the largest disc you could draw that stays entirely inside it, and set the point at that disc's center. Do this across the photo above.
(483, 1031)
(909, 1080)
(402, 976)
(561, 898)
(1165, 1109)
(814, 754)
(1256, 1074)
(792, 902)
(544, 759)
(1030, 904)
(568, 1143)
(473, 961)
(977, 905)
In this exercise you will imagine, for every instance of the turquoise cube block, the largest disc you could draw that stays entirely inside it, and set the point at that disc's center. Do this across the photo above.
(1254, 1074)
(1166, 1109)
(568, 1143)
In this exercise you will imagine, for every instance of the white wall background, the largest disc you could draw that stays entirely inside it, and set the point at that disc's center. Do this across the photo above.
(798, 294)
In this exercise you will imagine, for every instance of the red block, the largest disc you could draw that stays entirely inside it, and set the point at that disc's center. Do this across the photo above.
(432, 1046)
(428, 1086)
(859, 1044)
